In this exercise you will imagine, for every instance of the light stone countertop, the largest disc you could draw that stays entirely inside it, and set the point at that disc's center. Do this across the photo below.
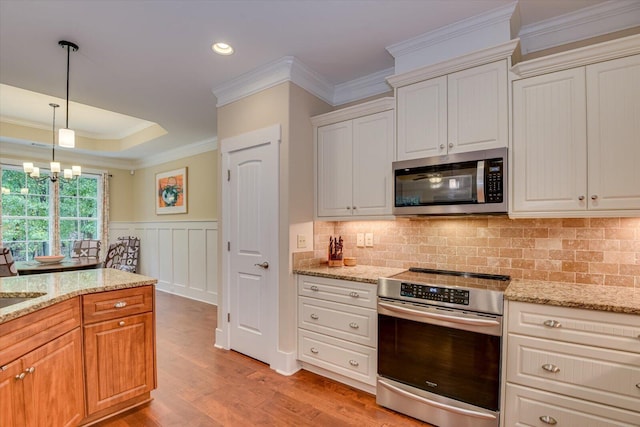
(591, 297)
(51, 288)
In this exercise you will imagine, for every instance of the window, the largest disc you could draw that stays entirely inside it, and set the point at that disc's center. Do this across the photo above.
(28, 216)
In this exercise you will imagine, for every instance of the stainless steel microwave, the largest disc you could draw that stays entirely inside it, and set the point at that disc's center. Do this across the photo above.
(464, 183)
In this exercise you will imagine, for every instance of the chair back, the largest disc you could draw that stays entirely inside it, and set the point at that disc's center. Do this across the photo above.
(7, 264)
(114, 255)
(129, 261)
(86, 248)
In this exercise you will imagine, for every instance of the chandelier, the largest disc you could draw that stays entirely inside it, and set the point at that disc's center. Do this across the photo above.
(54, 167)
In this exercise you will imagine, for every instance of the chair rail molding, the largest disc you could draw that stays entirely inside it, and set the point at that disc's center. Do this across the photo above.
(182, 255)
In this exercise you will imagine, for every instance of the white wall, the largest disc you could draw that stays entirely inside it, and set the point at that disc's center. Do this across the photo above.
(182, 255)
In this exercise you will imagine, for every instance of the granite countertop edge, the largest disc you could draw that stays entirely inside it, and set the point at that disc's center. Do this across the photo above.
(49, 285)
(617, 299)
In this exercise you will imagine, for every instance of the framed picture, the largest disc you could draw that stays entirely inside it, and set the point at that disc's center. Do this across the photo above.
(171, 192)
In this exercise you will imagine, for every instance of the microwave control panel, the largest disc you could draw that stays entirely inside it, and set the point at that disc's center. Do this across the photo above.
(494, 179)
(434, 293)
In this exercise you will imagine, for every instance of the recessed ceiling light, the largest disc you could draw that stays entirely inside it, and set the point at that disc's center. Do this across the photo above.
(222, 48)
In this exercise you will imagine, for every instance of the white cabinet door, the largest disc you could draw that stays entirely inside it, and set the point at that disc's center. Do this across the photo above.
(372, 157)
(549, 143)
(422, 119)
(613, 117)
(478, 108)
(334, 172)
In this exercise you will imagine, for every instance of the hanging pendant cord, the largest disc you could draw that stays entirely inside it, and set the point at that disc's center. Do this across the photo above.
(53, 143)
(68, 56)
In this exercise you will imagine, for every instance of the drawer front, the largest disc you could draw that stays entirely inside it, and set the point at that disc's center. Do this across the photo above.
(528, 407)
(343, 321)
(606, 376)
(20, 336)
(342, 357)
(344, 291)
(594, 328)
(114, 304)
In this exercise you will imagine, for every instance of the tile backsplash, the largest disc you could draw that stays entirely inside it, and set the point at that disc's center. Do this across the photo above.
(602, 251)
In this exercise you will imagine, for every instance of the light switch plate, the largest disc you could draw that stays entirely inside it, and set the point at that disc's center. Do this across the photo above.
(368, 240)
(360, 240)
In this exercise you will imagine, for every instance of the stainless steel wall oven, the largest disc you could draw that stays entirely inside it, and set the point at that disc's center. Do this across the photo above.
(439, 346)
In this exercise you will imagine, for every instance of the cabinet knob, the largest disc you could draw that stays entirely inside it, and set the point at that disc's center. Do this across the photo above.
(552, 324)
(442, 146)
(354, 207)
(120, 304)
(21, 376)
(581, 198)
(314, 288)
(594, 197)
(354, 294)
(451, 145)
(353, 325)
(348, 208)
(353, 362)
(550, 368)
(548, 420)
(29, 370)
(121, 323)
(314, 350)
(314, 316)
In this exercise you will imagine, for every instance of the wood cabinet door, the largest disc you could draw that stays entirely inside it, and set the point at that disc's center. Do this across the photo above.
(53, 385)
(613, 117)
(119, 360)
(334, 173)
(478, 108)
(372, 157)
(11, 395)
(422, 119)
(549, 143)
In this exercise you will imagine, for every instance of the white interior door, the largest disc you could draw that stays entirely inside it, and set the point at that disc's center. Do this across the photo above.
(251, 196)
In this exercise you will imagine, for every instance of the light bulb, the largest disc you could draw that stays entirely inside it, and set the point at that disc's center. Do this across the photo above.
(68, 173)
(77, 170)
(35, 173)
(55, 167)
(28, 167)
(66, 138)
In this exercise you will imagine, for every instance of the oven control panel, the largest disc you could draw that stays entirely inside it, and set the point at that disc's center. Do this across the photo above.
(435, 293)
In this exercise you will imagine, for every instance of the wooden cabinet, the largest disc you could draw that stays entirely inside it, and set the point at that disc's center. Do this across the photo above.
(353, 161)
(119, 347)
(576, 143)
(44, 386)
(571, 366)
(463, 111)
(337, 329)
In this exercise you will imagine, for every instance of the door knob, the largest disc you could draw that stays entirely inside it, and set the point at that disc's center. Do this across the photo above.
(264, 265)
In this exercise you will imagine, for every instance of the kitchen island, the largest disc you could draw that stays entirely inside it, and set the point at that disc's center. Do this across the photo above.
(75, 347)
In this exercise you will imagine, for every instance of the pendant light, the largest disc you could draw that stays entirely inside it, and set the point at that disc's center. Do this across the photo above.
(66, 136)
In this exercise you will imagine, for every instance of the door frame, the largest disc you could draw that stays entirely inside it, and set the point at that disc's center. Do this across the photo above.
(228, 146)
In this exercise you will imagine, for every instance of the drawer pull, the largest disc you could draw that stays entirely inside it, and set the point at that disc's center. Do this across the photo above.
(354, 362)
(548, 420)
(120, 304)
(121, 323)
(353, 325)
(21, 376)
(552, 324)
(354, 294)
(314, 350)
(29, 370)
(314, 288)
(314, 316)
(550, 368)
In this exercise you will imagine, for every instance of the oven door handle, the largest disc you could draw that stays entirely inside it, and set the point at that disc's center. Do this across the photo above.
(453, 319)
(438, 405)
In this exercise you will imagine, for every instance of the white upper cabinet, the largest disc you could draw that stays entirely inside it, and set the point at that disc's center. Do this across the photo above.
(576, 141)
(463, 111)
(353, 163)
(613, 132)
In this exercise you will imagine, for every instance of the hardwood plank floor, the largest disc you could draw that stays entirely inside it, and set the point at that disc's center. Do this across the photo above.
(200, 385)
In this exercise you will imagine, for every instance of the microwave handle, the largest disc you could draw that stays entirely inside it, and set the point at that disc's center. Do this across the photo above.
(480, 181)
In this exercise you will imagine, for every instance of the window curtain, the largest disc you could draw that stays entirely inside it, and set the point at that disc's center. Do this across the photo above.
(104, 232)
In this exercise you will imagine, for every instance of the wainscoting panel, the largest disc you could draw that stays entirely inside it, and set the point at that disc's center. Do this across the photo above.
(182, 255)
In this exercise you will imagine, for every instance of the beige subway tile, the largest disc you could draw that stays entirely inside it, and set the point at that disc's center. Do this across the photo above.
(630, 245)
(466, 251)
(604, 245)
(499, 242)
(535, 275)
(535, 253)
(563, 233)
(604, 222)
(630, 270)
(477, 241)
(603, 268)
(555, 243)
(517, 242)
(477, 260)
(548, 265)
(562, 276)
(575, 222)
(590, 233)
(539, 233)
(511, 252)
(576, 267)
(430, 249)
(489, 232)
(573, 244)
(589, 256)
(620, 234)
(615, 280)
(620, 257)
(488, 252)
(514, 273)
(511, 232)
(524, 264)
(499, 262)
(563, 255)
(457, 241)
(590, 279)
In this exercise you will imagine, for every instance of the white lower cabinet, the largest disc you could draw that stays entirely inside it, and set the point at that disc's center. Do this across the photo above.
(337, 329)
(571, 367)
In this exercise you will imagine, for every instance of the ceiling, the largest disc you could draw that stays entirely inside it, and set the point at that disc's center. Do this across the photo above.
(152, 60)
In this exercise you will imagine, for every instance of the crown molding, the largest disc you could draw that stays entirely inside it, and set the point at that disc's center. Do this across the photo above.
(592, 21)
(474, 59)
(178, 153)
(363, 87)
(355, 111)
(605, 51)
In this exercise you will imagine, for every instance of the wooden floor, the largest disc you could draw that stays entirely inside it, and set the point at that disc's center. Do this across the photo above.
(200, 385)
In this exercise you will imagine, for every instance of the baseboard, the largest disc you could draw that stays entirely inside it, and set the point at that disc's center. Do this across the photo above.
(286, 363)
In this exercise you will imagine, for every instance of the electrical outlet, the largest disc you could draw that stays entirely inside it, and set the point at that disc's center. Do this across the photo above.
(360, 240)
(302, 241)
(368, 240)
